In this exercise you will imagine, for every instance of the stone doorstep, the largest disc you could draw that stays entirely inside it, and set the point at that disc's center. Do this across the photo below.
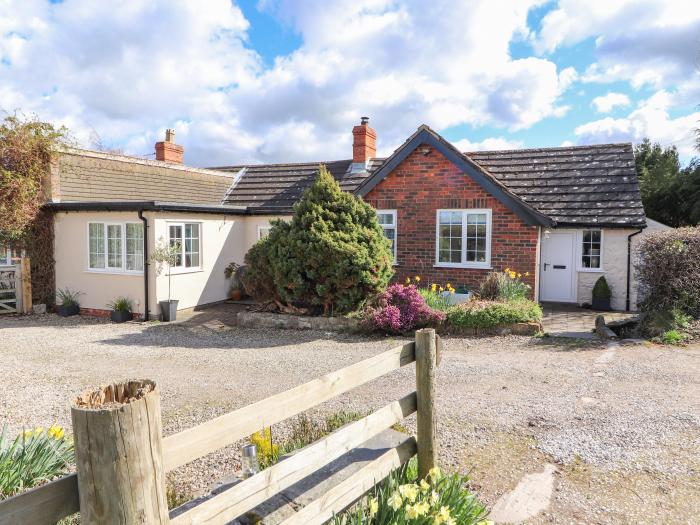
(299, 322)
(287, 502)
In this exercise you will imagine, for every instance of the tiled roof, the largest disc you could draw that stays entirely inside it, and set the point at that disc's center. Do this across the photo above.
(578, 185)
(574, 186)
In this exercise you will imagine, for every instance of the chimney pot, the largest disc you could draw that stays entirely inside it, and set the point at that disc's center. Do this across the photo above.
(364, 144)
(167, 150)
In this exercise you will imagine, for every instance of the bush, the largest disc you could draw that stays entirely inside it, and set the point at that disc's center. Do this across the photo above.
(121, 304)
(404, 500)
(68, 297)
(506, 285)
(402, 309)
(489, 314)
(601, 289)
(656, 323)
(332, 254)
(33, 458)
(668, 271)
(673, 337)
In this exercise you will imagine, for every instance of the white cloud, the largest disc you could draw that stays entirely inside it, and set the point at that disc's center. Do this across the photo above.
(488, 144)
(650, 119)
(607, 103)
(128, 73)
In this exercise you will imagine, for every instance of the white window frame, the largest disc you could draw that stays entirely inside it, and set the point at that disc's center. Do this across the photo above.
(182, 268)
(394, 226)
(464, 264)
(262, 228)
(111, 269)
(579, 251)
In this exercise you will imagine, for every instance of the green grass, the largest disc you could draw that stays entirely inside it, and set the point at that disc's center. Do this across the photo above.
(488, 314)
(673, 337)
(404, 500)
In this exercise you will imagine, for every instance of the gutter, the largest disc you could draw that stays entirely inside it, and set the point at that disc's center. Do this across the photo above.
(629, 265)
(146, 264)
(146, 206)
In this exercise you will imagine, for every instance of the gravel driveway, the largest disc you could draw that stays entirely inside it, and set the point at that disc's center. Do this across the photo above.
(621, 424)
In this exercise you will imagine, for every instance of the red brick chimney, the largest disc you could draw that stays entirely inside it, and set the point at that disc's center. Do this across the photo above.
(168, 150)
(364, 142)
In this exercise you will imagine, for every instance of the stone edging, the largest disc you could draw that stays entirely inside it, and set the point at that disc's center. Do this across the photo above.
(300, 322)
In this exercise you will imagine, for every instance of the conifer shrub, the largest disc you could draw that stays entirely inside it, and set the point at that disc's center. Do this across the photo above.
(331, 256)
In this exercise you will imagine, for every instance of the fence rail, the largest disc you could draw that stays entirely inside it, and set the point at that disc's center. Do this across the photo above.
(60, 498)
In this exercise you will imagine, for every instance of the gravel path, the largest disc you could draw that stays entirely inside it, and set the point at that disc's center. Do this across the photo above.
(621, 423)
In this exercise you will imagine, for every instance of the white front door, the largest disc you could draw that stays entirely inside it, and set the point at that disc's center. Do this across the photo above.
(557, 267)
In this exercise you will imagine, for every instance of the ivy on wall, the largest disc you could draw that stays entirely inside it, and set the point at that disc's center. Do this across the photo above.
(26, 149)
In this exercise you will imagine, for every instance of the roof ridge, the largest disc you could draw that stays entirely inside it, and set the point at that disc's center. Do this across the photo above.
(548, 148)
(239, 166)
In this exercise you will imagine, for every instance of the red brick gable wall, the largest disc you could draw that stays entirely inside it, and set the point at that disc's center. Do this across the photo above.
(422, 184)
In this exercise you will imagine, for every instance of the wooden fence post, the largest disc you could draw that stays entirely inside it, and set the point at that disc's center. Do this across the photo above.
(118, 452)
(26, 272)
(426, 362)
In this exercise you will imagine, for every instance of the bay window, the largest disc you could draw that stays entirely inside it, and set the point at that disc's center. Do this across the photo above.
(115, 247)
(463, 238)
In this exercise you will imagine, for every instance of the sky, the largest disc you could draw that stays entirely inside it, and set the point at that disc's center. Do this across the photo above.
(248, 81)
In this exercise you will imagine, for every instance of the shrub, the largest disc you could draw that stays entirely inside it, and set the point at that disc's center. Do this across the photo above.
(259, 280)
(673, 337)
(332, 254)
(402, 309)
(32, 458)
(121, 304)
(668, 270)
(68, 297)
(506, 285)
(656, 323)
(402, 500)
(601, 289)
(489, 314)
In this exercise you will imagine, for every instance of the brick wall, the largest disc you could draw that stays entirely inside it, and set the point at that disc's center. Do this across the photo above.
(422, 184)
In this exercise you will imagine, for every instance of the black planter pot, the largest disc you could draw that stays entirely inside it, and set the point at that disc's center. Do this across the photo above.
(601, 303)
(168, 310)
(120, 317)
(67, 310)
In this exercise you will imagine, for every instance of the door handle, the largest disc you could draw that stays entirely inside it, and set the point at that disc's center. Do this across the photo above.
(545, 266)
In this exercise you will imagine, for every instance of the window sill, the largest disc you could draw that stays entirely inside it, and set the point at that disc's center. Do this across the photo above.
(590, 270)
(115, 272)
(467, 266)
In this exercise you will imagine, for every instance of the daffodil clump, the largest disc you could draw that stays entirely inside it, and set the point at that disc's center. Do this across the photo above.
(32, 458)
(438, 296)
(404, 500)
(507, 285)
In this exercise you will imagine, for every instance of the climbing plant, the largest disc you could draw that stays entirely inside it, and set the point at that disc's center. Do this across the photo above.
(26, 149)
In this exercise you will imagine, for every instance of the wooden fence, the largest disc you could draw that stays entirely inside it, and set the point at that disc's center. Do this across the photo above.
(138, 450)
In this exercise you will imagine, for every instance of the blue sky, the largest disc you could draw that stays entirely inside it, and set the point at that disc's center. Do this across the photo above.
(285, 80)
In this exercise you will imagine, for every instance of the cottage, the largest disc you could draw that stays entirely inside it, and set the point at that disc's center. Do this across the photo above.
(560, 216)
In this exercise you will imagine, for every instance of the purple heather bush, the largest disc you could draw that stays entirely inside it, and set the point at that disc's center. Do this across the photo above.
(402, 308)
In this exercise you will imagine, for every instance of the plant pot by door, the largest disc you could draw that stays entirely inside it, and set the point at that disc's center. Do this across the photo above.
(120, 317)
(168, 310)
(601, 303)
(67, 310)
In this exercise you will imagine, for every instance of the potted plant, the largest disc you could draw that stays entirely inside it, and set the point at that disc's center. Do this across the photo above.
(69, 302)
(601, 294)
(167, 255)
(233, 272)
(121, 309)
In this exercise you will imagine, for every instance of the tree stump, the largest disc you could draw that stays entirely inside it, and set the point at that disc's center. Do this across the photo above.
(118, 451)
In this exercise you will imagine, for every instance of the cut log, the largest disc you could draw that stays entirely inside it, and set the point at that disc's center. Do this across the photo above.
(118, 444)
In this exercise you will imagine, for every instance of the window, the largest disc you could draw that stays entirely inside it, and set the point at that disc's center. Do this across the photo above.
(263, 231)
(186, 236)
(591, 250)
(387, 220)
(463, 238)
(115, 247)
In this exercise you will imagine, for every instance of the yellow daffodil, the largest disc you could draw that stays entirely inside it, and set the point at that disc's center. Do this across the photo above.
(434, 498)
(444, 513)
(422, 508)
(512, 275)
(373, 507)
(449, 285)
(424, 485)
(408, 280)
(434, 473)
(56, 432)
(452, 291)
(409, 491)
(450, 521)
(412, 512)
(28, 433)
(433, 287)
(395, 501)
(520, 275)
(485, 522)
(507, 270)
(527, 274)
(442, 289)
(417, 278)
(38, 430)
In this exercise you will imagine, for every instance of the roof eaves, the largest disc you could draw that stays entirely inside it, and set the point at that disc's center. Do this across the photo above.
(146, 206)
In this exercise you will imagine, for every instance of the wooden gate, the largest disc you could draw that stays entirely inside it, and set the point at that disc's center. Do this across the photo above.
(10, 277)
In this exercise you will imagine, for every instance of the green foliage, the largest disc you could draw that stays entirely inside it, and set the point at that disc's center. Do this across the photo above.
(33, 458)
(601, 289)
(673, 337)
(121, 304)
(332, 254)
(26, 147)
(506, 286)
(670, 194)
(489, 314)
(68, 297)
(403, 499)
(668, 271)
(659, 322)
(435, 299)
(166, 254)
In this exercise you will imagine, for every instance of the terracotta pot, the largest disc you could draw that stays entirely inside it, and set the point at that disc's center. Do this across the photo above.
(235, 295)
